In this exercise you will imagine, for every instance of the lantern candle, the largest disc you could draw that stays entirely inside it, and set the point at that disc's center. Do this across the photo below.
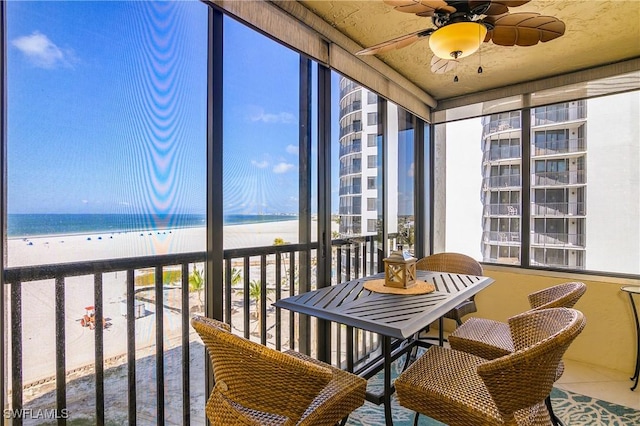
(400, 269)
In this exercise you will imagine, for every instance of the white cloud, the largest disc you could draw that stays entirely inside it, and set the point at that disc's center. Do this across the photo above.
(282, 168)
(291, 149)
(42, 52)
(258, 114)
(411, 170)
(259, 164)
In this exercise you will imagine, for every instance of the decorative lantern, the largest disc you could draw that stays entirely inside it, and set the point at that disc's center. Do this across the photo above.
(400, 269)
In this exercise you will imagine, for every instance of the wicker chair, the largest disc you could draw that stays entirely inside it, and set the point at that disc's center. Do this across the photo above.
(455, 263)
(256, 385)
(458, 388)
(490, 339)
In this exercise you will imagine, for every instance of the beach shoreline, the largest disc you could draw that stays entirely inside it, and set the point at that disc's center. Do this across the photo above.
(67, 248)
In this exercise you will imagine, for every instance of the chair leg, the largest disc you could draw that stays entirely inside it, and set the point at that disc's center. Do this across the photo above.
(415, 418)
(554, 419)
(441, 331)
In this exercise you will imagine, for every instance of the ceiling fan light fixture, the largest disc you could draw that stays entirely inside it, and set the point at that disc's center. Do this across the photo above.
(457, 40)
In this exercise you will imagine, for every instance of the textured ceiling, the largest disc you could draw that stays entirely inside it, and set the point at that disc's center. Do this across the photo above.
(597, 32)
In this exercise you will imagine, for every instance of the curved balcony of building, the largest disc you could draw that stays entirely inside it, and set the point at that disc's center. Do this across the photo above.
(349, 214)
(501, 181)
(349, 170)
(564, 178)
(501, 237)
(353, 127)
(350, 190)
(499, 209)
(559, 147)
(502, 153)
(348, 86)
(501, 125)
(351, 107)
(353, 148)
(562, 209)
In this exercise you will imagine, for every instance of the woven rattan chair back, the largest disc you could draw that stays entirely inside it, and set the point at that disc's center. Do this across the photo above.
(525, 377)
(456, 263)
(563, 295)
(240, 369)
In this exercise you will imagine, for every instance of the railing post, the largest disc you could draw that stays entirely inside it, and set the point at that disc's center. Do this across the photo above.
(186, 389)
(16, 349)
(131, 346)
(99, 347)
(159, 298)
(61, 382)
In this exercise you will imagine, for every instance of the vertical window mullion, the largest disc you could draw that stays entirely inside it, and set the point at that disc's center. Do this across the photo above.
(214, 207)
(324, 203)
(525, 182)
(383, 164)
(3, 189)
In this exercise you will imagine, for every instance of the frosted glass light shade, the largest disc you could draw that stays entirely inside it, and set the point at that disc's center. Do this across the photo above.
(457, 40)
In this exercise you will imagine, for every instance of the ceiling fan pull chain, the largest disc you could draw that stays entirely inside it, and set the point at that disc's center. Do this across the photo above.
(480, 52)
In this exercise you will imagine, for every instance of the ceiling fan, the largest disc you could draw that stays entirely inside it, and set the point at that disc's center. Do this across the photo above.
(462, 25)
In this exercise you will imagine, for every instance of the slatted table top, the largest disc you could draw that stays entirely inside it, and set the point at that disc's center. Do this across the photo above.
(398, 316)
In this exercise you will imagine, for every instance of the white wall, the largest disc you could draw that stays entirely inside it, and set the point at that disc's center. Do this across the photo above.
(463, 187)
(613, 183)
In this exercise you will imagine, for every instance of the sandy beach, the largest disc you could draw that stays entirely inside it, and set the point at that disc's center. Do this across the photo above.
(73, 248)
(38, 298)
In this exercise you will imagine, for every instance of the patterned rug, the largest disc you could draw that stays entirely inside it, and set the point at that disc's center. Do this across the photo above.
(572, 408)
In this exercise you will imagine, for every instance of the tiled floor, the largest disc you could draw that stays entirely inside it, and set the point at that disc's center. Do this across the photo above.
(598, 382)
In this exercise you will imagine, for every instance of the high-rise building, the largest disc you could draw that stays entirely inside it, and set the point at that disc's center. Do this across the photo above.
(558, 186)
(358, 159)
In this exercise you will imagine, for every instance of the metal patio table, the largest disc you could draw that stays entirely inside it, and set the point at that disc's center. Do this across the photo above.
(396, 318)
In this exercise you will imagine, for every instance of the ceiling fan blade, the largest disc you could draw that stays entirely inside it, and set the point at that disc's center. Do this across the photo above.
(523, 29)
(498, 7)
(421, 7)
(396, 43)
(441, 66)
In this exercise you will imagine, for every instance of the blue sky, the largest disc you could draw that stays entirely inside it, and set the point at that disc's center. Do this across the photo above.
(107, 111)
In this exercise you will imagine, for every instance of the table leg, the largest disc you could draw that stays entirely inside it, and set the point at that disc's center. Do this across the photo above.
(636, 373)
(386, 349)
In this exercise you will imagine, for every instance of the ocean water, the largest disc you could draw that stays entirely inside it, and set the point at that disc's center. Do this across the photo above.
(31, 225)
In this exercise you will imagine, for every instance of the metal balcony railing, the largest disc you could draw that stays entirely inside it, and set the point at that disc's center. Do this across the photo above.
(497, 237)
(558, 209)
(347, 170)
(350, 210)
(353, 106)
(502, 153)
(502, 181)
(552, 239)
(350, 128)
(501, 125)
(347, 86)
(574, 177)
(350, 189)
(564, 146)
(350, 149)
(555, 114)
(159, 307)
(502, 209)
